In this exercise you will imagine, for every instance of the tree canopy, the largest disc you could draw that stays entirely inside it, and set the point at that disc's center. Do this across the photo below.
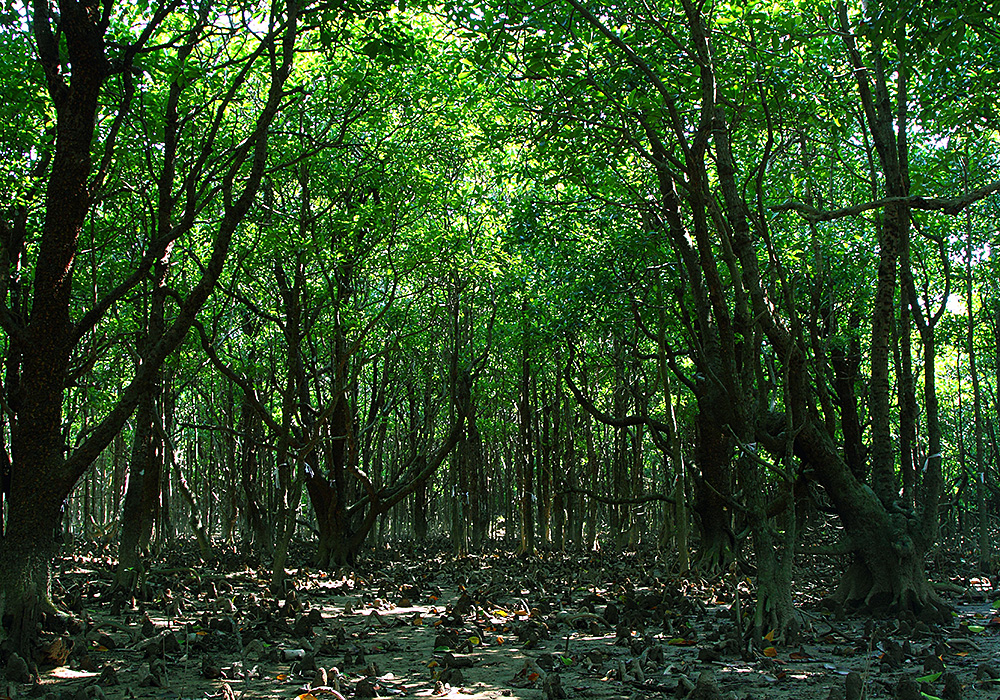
(550, 275)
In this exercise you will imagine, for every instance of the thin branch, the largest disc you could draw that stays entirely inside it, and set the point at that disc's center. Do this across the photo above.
(619, 501)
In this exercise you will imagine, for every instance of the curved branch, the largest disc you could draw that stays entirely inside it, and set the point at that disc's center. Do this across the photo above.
(589, 407)
(947, 206)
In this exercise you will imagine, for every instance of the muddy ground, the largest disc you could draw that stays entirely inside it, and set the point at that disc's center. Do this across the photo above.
(425, 624)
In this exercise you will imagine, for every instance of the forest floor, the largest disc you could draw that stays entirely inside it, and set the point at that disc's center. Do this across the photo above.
(420, 624)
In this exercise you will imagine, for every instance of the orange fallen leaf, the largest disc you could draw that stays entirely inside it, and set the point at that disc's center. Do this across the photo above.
(798, 656)
(770, 652)
(770, 636)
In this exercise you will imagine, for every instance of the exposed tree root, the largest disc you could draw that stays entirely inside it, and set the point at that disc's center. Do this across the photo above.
(896, 590)
(774, 612)
(714, 557)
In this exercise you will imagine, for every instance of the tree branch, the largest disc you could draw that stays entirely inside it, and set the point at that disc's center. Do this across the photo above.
(619, 501)
(589, 407)
(947, 206)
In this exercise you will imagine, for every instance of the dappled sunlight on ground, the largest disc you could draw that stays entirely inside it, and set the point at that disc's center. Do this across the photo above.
(493, 627)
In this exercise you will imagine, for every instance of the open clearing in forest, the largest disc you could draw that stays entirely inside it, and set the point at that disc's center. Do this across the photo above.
(492, 626)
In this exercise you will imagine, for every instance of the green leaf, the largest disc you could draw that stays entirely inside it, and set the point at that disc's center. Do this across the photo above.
(929, 678)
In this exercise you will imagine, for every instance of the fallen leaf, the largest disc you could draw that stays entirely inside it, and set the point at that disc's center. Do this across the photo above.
(770, 652)
(770, 636)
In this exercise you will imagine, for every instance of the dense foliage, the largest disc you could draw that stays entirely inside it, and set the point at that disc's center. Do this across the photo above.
(544, 275)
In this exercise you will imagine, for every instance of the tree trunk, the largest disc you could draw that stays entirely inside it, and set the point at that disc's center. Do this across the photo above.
(471, 452)
(42, 475)
(526, 455)
(142, 496)
(460, 501)
(593, 467)
(887, 571)
(984, 540)
(545, 472)
(255, 537)
(888, 567)
(420, 512)
(30, 543)
(340, 539)
(713, 456)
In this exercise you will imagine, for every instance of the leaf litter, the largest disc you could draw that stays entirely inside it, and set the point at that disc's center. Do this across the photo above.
(431, 625)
